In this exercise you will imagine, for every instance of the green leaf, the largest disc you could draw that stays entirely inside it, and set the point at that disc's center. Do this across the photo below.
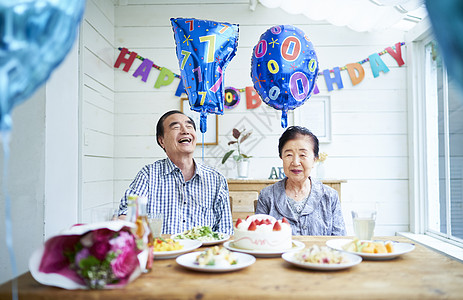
(227, 155)
(88, 262)
(246, 156)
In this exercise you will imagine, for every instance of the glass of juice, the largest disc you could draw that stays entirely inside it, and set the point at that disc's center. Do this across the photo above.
(364, 223)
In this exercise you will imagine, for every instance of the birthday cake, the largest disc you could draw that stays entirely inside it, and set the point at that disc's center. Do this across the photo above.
(262, 232)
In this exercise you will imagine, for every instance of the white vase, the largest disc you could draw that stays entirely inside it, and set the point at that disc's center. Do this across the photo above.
(243, 168)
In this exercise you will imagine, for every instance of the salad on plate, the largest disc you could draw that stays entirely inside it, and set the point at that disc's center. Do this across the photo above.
(216, 256)
(322, 258)
(161, 245)
(319, 255)
(201, 233)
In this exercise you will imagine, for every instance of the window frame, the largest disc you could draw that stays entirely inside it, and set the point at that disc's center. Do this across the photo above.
(419, 123)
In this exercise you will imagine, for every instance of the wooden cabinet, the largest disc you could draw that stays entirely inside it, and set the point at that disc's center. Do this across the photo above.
(243, 192)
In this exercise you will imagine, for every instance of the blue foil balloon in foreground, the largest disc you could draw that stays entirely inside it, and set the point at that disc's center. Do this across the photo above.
(35, 38)
(204, 49)
(447, 24)
(284, 67)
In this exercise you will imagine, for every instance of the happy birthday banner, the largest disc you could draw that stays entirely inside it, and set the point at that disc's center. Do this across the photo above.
(232, 95)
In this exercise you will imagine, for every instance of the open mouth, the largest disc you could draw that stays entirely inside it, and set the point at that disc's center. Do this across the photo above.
(184, 140)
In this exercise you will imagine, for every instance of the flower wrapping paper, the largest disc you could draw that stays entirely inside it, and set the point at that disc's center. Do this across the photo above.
(60, 260)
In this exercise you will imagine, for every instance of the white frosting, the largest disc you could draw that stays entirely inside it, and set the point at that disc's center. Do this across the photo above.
(263, 238)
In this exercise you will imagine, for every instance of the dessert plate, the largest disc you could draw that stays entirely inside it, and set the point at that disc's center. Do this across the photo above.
(188, 261)
(224, 238)
(188, 245)
(352, 260)
(399, 249)
(262, 253)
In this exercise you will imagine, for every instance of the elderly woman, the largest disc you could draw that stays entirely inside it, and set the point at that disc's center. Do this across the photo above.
(311, 207)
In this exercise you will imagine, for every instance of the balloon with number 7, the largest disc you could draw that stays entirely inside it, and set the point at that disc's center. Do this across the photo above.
(204, 49)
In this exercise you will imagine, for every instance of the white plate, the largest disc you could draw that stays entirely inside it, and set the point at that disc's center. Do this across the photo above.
(188, 261)
(262, 253)
(399, 249)
(188, 245)
(351, 258)
(205, 243)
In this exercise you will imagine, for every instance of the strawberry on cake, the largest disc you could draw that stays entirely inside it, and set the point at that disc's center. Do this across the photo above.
(262, 232)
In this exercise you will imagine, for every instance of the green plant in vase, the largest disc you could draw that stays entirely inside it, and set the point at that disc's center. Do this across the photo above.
(240, 137)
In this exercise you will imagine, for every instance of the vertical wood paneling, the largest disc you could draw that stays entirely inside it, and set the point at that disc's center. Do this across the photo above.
(97, 57)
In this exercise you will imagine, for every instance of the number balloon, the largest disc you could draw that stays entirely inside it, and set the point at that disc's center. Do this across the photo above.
(36, 36)
(204, 49)
(284, 67)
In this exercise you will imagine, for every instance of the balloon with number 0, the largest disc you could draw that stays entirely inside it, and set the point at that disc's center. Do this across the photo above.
(204, 49)
(284, 67)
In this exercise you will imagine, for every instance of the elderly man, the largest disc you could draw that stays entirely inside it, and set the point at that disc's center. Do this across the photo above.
(186, 192)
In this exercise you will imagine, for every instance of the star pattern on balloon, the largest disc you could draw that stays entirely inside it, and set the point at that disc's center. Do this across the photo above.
(187, 38)
(273, 42)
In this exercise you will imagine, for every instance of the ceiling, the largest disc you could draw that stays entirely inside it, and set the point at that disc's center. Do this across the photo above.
(358, 15)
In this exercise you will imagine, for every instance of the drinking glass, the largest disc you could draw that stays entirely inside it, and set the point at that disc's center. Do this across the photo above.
(364, 223)
(155, 220)
(102, 214)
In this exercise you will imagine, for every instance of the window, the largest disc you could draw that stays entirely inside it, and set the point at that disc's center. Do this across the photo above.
(444, 143)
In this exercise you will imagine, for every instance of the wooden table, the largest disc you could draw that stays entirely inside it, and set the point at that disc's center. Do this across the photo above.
(420, 274)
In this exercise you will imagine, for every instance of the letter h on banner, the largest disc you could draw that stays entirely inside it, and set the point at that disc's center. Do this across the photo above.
(337, 78)
(127, 61)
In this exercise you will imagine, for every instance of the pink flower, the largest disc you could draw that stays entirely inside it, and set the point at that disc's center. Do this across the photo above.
(123, 241)
(100, 245)
(99, 258)
(125, 263)
(103, 235)
(100, 249)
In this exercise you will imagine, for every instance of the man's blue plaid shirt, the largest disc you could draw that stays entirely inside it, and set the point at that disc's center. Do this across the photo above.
(202, 200)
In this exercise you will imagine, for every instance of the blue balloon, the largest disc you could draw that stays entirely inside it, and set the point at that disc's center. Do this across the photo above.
(447, 24)
(284, 67)
(35, 38)
(204, 49)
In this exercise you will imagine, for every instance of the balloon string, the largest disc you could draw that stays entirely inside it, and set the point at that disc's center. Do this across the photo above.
(8, 225)
(203, 146)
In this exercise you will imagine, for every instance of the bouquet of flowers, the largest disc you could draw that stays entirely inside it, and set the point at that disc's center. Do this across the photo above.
(94, 256)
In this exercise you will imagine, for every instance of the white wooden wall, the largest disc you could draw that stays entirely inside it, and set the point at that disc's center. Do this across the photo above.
(97, 77)
(27, 204)
(369, 125)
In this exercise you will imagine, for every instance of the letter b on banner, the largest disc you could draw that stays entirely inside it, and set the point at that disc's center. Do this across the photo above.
(252, 98)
